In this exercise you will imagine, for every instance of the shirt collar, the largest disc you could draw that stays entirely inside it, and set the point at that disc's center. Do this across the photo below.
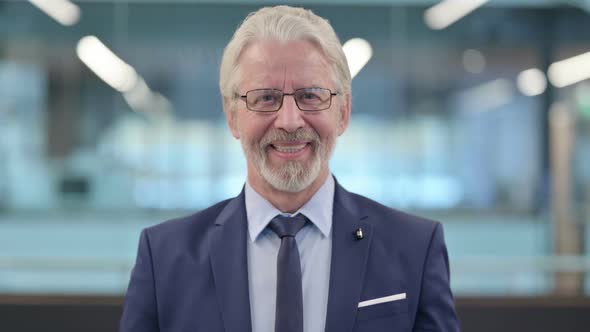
(318, 209)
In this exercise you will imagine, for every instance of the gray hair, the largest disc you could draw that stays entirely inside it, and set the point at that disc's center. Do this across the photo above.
(283, 23)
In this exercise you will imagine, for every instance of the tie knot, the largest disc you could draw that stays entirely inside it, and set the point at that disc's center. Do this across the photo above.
(287, 226)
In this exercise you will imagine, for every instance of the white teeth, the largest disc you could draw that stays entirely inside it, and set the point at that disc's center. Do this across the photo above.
(290, 149)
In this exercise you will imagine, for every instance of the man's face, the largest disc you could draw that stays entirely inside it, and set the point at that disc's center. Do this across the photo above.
(288, 149)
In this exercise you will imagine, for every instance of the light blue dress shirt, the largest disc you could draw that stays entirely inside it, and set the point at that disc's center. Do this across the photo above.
(315, 248)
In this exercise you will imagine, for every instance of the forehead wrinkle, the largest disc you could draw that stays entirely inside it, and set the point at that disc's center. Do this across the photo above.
(308, 79)
(261, 79)
(299, 68)
(317, 71)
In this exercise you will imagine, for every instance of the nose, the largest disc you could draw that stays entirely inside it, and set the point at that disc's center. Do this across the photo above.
(289, 117)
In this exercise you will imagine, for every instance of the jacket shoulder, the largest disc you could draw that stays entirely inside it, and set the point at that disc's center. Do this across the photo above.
(194, 225)
(384, 217)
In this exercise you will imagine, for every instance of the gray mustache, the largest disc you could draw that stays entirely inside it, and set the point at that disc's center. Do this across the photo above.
(281, 135)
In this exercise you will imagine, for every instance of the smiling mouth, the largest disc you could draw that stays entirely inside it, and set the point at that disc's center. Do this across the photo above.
(289, 148)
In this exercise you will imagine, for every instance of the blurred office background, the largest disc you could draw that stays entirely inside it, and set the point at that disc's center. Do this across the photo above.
(111, 121)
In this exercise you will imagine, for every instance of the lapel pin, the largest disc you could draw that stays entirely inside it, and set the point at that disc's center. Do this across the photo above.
(359, 234)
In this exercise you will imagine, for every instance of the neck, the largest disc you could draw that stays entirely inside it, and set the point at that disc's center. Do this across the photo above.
(286, 202)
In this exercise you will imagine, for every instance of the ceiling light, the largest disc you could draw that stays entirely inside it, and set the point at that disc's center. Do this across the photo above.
(63, 11)
(531, 82)
(570, 71)
(358, 52)
(448, 12)
(106, 64)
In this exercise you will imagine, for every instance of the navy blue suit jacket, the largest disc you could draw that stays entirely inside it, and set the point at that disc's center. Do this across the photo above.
(191, 273)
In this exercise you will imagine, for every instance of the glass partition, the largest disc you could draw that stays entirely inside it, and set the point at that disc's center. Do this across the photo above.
(457, 124)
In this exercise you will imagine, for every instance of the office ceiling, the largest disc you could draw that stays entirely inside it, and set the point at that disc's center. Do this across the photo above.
(585, 4)
(493, 3)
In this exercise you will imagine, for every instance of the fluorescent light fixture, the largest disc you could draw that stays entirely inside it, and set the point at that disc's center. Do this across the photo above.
(358, 52)
(63, 11)
(474, 61)
(139, 96)
(570, 71)
(105, 64)
(531, 82)
(488, 96)
(448, 12)
(142, 99)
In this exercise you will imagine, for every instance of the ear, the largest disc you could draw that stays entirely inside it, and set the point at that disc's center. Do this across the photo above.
(231, 116)
(345, 110)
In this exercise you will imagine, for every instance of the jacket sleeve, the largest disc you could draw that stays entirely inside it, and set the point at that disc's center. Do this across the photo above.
(140, 312)
(436, 308)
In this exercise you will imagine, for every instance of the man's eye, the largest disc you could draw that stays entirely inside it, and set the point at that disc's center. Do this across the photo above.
(309, 96)
(267, 98)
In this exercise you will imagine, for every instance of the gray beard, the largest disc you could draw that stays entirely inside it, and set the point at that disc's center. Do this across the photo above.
(294, 176)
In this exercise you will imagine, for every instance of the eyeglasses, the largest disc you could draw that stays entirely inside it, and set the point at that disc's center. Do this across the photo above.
(271, 100)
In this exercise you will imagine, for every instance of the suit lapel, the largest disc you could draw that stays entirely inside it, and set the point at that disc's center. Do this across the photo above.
(349, 258)
(229, 263)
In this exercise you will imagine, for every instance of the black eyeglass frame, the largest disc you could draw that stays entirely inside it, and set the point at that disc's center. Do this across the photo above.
(244, 98)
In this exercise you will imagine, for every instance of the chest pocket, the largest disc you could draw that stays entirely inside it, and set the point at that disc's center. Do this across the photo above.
(388, 316)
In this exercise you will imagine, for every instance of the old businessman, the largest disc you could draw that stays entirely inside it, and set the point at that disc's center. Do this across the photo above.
(294, 252)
